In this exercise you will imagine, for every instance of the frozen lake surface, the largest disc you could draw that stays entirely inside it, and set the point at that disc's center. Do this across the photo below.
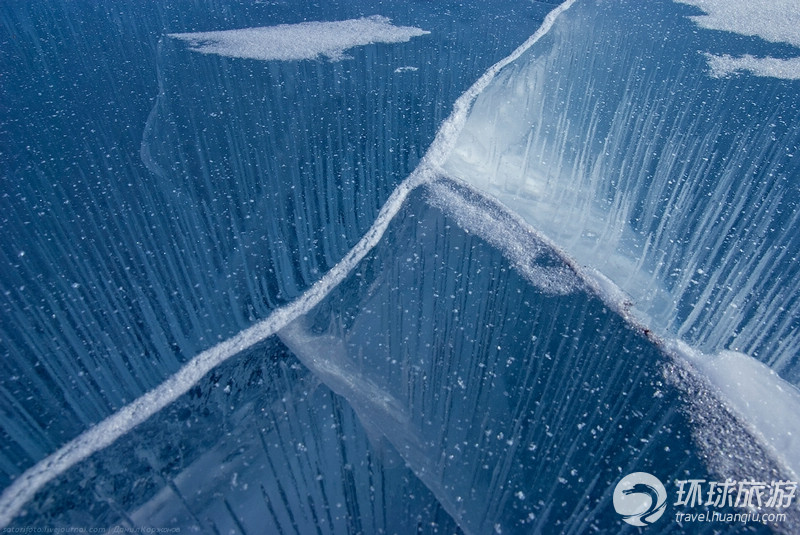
(277, 267)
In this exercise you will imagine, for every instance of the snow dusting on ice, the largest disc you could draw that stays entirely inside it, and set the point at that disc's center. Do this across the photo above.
(306, 40)
(776, 21)
(725, 64)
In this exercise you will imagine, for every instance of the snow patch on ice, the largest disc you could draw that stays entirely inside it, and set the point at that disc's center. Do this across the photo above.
(776, 21)
(726, 65)
(306, 40)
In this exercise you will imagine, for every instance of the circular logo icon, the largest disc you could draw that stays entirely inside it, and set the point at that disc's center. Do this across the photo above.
(640, 498)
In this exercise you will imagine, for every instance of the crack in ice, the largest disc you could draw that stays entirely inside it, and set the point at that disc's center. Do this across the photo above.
(102, 435)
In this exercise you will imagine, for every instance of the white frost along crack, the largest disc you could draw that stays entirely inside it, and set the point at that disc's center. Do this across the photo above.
(755, 394)
(14, 497)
